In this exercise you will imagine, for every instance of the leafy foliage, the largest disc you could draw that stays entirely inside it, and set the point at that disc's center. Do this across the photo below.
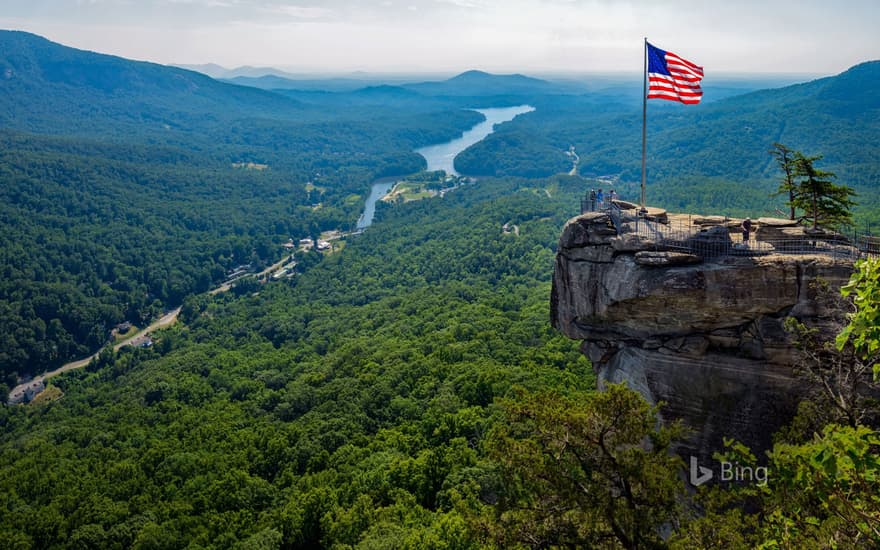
(825, 491)
(863, 330)
(577, 474)
(346, 407)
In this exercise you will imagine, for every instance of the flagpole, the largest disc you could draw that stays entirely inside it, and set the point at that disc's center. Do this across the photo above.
(644, 210)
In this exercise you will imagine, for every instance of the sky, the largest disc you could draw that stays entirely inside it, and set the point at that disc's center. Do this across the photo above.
(435, 36)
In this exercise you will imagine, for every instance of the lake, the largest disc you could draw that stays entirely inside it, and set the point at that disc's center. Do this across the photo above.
(442, 155)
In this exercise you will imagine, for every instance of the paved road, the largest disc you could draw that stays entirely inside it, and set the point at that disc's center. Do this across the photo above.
(166, 320)
(17, 393)
(574, 162)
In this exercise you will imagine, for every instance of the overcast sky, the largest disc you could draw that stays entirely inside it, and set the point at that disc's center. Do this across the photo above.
(798, 36)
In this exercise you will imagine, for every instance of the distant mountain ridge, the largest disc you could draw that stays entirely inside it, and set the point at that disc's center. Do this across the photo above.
(480, 83)
(277, 82)
(220, 73)
(471, 83)
(715, 149)
(42, 80)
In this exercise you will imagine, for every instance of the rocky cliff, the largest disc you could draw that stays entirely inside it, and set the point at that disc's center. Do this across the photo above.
(694, 318)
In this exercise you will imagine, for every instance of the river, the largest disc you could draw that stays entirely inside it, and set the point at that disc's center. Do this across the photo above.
(380, 188)
(442, 155)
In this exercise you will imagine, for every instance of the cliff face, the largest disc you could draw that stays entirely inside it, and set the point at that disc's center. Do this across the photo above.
(702, 332)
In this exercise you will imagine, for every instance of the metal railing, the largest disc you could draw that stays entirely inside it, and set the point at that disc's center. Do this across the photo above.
(681, 237)
(616, 215)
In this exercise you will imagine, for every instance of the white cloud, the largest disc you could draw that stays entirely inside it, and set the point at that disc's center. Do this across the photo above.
(463, 3)
(300, 12)
(583, 35)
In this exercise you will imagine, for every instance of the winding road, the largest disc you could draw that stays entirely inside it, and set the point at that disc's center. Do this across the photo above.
(17, 394)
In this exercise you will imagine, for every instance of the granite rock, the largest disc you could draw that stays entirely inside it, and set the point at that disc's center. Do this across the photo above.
(703, 334)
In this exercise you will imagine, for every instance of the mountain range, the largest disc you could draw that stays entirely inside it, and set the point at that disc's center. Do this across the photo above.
(50, 88)
(715, 148)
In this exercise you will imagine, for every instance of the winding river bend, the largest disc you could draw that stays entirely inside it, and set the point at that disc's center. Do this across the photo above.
(439, 157)
(442, 155)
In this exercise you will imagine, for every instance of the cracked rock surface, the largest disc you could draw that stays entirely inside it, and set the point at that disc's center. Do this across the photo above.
(704, 335)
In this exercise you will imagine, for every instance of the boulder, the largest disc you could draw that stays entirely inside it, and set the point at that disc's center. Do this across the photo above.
(773, 229)
(590, 229)
(626, 205)
(776, 222)
(711, 242)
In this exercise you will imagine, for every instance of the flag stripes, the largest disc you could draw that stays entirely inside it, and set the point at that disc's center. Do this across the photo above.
(672, 77)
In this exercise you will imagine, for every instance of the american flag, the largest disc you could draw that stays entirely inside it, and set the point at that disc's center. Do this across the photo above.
(672, 77)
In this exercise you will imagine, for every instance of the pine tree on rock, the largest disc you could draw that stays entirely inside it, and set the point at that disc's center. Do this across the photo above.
(824, 203)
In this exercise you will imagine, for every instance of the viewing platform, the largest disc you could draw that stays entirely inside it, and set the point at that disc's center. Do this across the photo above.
(715, 237)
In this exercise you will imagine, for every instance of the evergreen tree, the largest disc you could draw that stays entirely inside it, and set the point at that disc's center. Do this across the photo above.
(785, 157)
(824, 203)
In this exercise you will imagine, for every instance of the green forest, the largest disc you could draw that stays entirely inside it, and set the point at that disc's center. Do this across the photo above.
(407, 389)
(96, 234)
(108, 218)
(362, 387)
(407, 392)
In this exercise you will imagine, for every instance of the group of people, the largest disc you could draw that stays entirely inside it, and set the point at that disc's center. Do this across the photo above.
(597, 198)
(597, 202)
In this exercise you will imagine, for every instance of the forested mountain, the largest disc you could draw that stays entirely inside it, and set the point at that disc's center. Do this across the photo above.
(479, 83)
(48, 87)
(712, 153)
(126, 187)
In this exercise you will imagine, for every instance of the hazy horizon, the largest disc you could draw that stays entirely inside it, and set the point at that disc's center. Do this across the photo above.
(536, 73)
(450, 36)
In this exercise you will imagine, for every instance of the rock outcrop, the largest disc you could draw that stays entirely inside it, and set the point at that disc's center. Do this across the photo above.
(695, 322)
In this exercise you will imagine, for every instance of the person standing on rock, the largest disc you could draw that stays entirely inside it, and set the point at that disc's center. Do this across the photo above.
(600, 198)
(746, 229)
(613, 196)
(592, 200)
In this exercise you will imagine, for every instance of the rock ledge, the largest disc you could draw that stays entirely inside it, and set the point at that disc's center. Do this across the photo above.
(700, 329)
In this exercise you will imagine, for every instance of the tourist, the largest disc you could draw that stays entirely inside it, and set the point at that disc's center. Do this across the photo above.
(746, 229)
(600, 199)
(592, 200)
(612, 196)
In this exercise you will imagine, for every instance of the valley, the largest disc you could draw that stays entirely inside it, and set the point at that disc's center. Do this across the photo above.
(29, 389)
(360, 296)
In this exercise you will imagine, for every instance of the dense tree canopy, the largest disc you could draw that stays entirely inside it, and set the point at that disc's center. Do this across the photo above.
(405, 391)
(97, 233)
(347, 406)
